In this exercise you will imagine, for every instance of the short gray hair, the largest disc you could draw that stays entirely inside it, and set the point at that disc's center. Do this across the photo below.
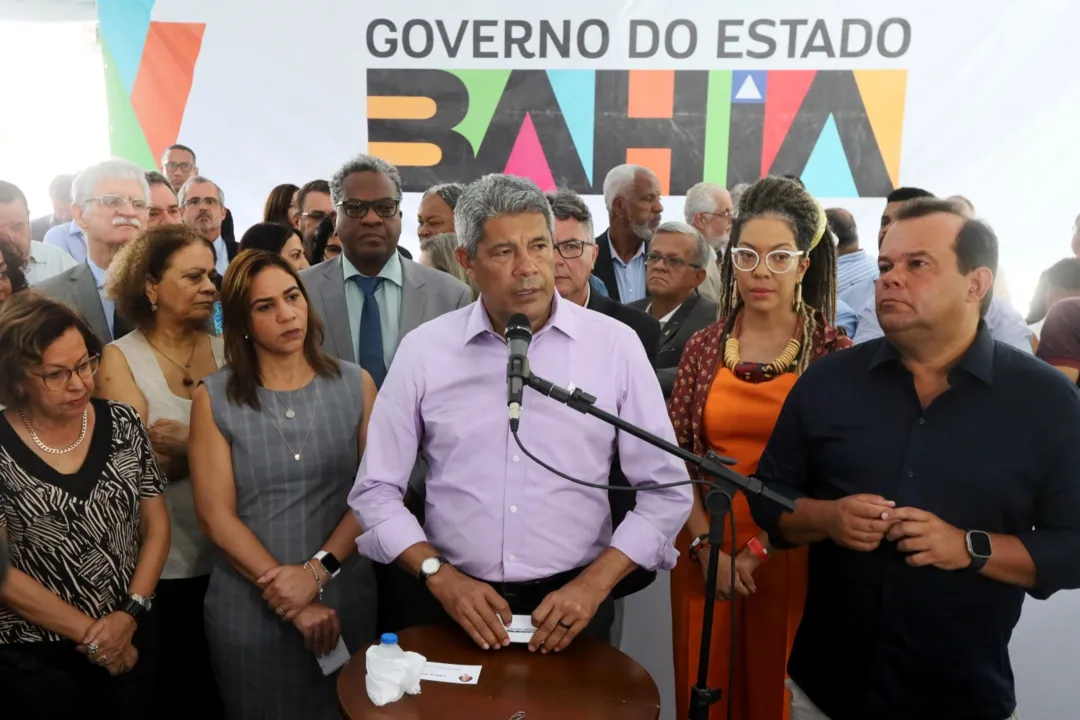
(450, 193)
(495, 196)
(182, 195)
(82, 188)
(737, 193)
(701, 246)
(361, 164)
(619, 180)
(568, 205)
(700, 198)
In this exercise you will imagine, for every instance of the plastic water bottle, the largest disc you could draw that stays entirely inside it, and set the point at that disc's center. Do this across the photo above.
(387, 649)
(219, 325)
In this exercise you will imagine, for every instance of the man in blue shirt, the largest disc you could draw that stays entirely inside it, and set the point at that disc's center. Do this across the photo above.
(632, 197)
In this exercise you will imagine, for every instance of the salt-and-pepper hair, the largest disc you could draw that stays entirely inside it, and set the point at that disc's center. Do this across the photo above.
(737, 193)
(86, 182)
(620, 181)
(568, 205)
(362, 164)
(495, 196)
(186, 188)
(450, 193)
(700, 198)
(701, 246)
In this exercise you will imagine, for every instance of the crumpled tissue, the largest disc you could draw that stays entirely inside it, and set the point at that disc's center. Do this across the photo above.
(389, 679)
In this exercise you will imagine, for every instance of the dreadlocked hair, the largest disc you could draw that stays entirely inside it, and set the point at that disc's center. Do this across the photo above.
(788, 200)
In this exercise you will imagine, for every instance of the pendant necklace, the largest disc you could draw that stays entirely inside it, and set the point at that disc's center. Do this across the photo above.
(184, 367)
(314, 410)
(289, 412)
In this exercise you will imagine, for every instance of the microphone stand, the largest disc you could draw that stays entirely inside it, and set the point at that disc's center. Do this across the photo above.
(718, 501)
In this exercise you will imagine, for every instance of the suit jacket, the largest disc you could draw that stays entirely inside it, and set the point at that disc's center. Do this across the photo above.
(605, 266)
(622, 502)
(228, 235)
(76, 287)
(425, 295)
(646, 326)
(696, 313)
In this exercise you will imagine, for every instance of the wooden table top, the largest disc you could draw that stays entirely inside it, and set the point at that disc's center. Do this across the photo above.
(590, 680)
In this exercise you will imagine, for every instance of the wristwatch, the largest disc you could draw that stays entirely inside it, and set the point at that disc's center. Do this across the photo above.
(136, 606)
(979, 549)
(431, 566)
(330, 563)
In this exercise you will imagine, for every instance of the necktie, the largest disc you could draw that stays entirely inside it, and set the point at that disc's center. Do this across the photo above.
(370, 351)
(120, 326)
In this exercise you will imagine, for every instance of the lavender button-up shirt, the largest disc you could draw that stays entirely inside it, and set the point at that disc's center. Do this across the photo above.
(491, 511)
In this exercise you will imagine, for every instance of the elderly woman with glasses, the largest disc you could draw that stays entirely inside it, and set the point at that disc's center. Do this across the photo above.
(82, 510)
(777, 308)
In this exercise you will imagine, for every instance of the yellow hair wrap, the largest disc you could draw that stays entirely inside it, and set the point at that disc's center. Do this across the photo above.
(822, 226)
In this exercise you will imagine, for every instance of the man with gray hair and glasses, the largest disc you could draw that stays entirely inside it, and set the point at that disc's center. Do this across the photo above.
(202, 203)
(110, 202)
(504, 536)
(676, 269)
(708, 208)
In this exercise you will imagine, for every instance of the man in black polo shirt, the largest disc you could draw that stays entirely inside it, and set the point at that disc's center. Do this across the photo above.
(937, 478)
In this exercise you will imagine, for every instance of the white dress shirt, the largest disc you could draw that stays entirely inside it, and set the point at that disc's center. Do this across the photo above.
(46, 261)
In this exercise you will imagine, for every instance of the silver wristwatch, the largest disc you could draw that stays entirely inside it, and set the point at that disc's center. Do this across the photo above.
(431, 566)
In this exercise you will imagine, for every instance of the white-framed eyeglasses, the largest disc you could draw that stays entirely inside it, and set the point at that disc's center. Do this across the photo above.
(777, 261)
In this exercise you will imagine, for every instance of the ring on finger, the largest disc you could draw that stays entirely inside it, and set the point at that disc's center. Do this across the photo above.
(564, 625)
(103, 660)
(281, 610)
(92, 649)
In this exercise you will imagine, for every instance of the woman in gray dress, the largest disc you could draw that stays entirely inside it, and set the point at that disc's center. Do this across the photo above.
(275, 442)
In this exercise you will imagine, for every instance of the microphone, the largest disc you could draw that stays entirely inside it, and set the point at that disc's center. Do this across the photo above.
(518, 335)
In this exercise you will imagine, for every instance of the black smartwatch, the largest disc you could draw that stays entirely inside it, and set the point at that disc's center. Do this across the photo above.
(330, 563)
(136, 606)
(979, 549)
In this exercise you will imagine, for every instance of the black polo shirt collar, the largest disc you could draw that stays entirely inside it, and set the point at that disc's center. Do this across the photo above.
(977, 362)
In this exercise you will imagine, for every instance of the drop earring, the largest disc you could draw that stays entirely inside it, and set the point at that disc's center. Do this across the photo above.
(797, 305)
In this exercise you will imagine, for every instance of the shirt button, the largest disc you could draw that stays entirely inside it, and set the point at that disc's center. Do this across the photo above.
(922, 421)
(910, 474)
(517, 458)
(512, 558)
(513, 508)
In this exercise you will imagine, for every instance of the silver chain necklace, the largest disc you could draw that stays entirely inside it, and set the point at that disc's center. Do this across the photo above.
(289, 412)
(314, 410)
(52, 450)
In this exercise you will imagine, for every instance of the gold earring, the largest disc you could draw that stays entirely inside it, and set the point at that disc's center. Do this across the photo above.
(797, 305)
(734, 293)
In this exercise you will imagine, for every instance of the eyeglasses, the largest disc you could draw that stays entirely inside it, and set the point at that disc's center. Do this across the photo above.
(571, 249)
(729, 214)
(59, 378)
(197, 201)
(777, 261)
(675, 263)
(316, 215)
(115, 202)
(385, 208)
(185, 166)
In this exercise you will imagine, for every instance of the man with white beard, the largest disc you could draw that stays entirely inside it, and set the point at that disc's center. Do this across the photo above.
(111, 203)
(709, 209)
(632, 197)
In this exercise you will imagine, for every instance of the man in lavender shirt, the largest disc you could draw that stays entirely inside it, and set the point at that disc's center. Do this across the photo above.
(502, 535)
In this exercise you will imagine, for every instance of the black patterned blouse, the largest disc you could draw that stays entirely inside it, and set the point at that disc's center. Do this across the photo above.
(78, 534)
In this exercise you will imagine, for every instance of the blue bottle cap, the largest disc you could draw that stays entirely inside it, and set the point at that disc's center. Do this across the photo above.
(388, 639)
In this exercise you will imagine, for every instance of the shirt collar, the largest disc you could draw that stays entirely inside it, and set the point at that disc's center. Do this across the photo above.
(74, 229)
(977, 361)
(562, 319)
(98, 273)
(615, 256)
(390, 271)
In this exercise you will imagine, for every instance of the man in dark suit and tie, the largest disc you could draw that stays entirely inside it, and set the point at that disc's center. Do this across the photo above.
(575, 256)
(676, 267)
(110, 202)
(632, 197)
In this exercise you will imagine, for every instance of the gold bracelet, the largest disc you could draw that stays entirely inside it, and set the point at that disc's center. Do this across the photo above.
(315, 572)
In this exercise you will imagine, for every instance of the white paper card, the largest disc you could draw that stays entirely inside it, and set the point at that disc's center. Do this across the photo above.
(521, 629)
(337, 657)
(453, 674)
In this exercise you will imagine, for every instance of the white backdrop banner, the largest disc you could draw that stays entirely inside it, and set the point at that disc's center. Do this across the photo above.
(855, 98)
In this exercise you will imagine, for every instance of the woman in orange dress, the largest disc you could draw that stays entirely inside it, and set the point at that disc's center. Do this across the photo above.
(776, 313)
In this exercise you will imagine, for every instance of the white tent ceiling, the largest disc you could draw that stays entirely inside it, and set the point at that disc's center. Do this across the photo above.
(48, 10)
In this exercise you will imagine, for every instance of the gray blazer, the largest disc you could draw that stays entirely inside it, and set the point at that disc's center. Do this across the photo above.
(76, 287)
(425, 295)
